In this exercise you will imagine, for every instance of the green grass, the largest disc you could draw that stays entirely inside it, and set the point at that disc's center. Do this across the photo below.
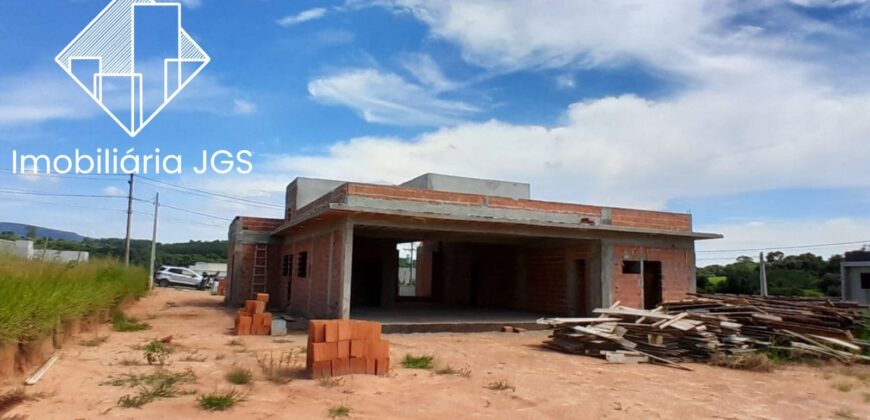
(161, 384)
(123, 323)
(156, 353)
(37, 295)
(239, 376)
(330, 382)
(281, 369)
(220, 401)
(418, 362)
(339, 411)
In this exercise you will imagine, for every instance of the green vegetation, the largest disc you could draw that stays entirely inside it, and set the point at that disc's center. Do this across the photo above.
(501, 386)
(843, 386)
(339, 411)
(156, 353)
(123, 323)
(38, 295)
(161, 384)
(418, 362)
(239, 376)
(805, 275)
(220, 401)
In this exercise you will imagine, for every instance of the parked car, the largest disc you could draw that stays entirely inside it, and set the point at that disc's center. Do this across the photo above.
(166, 276)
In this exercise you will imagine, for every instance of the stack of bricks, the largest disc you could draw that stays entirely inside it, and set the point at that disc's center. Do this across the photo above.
(346, 347)
(254, 320)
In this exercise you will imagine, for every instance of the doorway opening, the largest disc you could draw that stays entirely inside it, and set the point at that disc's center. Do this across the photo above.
(652, 284)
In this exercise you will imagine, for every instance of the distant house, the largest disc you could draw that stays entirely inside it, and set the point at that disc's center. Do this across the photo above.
(855, 276)
(26, 250)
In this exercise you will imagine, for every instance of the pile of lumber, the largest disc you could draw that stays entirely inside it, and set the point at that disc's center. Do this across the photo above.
(346, 347)
(696, 328)
(253, 319)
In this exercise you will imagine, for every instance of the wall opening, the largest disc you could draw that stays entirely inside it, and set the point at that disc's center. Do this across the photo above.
(652, 284)
(580, 287)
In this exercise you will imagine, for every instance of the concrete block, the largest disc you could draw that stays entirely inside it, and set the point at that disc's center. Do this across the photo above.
(279, 327)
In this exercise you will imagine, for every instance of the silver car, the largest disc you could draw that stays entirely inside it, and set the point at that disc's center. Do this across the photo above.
(166, 276)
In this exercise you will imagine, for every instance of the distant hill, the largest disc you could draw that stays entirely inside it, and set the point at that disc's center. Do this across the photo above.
(41, 232)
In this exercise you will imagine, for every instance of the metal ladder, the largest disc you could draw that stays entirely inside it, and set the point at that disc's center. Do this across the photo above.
(261, 260)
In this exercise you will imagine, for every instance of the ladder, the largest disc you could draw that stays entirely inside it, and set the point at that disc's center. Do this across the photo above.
(261, 259)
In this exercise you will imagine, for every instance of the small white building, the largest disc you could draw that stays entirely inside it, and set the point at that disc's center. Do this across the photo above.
(855, 281)
(25, 249)
(210, 268)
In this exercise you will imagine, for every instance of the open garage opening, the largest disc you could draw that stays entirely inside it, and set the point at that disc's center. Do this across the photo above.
(411, 277)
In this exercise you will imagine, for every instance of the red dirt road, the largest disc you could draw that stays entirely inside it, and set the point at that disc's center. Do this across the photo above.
(548, 385)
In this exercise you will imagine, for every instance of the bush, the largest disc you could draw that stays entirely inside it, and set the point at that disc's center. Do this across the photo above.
(220, 401)
(418, 362)
(123, 323)
(239, 376)
(753, 361)
(37, 295)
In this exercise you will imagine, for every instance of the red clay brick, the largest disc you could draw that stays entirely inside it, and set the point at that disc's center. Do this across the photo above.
(331, 331)
(317, 331)
(358, 348)
(321, 370)
(378, 349)
(344, 349)
(250, 306)
(340, 367)
(257, 324)
(345, 330)
(244, 327)
(358, 366)
(382, 366)
(263, 297)
(358, 330)
(322, 352)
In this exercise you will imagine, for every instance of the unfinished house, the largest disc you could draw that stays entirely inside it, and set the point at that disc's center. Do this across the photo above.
(475, 249)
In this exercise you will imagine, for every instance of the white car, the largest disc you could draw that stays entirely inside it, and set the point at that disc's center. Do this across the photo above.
(166, 276)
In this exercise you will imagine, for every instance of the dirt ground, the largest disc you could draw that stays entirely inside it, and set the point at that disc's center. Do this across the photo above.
(548, 385)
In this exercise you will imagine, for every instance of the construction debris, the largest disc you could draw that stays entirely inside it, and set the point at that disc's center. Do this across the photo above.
(697, 328)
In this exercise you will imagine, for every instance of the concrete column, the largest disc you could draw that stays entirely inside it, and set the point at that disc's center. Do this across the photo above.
(606, 261)
(346, 270)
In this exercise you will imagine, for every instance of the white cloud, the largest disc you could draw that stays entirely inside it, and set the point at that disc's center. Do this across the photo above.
(771, 132)
(428, 73)
(243, 107)
(565, 81)
(36, 97)
(310, 14)
(773, 235)
(387, 98)
(114, 191)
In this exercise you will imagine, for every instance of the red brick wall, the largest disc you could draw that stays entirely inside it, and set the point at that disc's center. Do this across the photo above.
(676, 273)
(618, 216)
(651, 219)
(311, 295)
(547, 282)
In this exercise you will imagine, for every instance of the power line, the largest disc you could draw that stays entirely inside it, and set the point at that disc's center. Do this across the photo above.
(787, 247)
(213, 194)
(195, 212)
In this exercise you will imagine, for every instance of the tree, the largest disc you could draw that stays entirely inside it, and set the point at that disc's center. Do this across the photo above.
(774, 256)
(744, 259)
(30, 232)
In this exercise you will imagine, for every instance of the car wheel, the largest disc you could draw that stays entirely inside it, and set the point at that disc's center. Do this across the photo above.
(163, 283)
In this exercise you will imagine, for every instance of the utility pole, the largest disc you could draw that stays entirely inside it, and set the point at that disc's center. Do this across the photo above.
(154, 242)
(762, 274)
(129, 221)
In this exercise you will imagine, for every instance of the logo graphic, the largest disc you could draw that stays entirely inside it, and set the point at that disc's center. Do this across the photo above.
(133, 59)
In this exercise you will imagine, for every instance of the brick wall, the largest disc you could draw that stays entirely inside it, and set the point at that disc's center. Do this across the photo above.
(241, 249)
(547, 282)
(676, 273)
(318, 294)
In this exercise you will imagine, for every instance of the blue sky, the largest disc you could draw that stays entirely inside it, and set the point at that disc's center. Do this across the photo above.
(751, 115)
